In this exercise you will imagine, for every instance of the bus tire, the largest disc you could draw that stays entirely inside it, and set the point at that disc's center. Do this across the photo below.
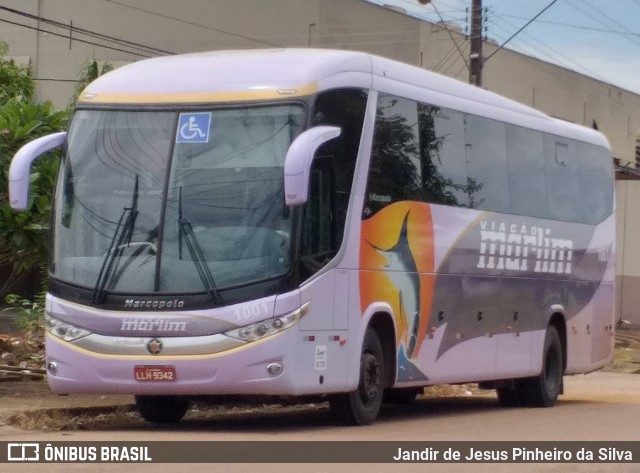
(361, 407)
(162, 409)
(401, 395)
(543, 390)
(510, 396)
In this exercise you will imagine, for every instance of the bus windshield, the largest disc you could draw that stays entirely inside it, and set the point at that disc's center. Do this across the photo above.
(169, 202)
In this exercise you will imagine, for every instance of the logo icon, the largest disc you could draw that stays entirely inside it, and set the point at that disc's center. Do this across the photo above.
(23, 452)
(154, 346)
(194, 127)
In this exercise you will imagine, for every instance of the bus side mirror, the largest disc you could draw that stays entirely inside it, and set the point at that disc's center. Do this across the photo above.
(21, 166)
(297, 163)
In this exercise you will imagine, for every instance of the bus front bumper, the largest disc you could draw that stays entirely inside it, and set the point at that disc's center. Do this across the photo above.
(266, 367)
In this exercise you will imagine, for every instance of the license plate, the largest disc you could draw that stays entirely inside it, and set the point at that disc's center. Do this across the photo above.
(154, 373)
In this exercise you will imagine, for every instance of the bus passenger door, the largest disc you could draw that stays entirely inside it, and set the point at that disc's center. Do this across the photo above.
(322, 356)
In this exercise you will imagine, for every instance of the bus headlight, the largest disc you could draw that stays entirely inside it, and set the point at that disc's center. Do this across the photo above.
(64, 330)
(266, 328)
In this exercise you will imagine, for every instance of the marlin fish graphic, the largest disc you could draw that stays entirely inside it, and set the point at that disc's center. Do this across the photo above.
(402, 272)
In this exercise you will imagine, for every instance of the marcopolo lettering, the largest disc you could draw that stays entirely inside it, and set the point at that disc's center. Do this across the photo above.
(153, 304)
(384, 199)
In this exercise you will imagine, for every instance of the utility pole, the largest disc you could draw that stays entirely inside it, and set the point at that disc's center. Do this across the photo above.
(475, 55)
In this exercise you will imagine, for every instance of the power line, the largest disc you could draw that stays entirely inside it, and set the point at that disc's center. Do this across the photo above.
(595, 93)
(522, 28)
(601, 15)
(413, 4)
(555, 52)
(614, 22)
(71, 28)
(444, 58)
(562, 63)
(150, 12)
(66, 37)
(453, 64)
(569, 25)
(424, 15)
(364, 43)
(451, 36)
(464, 4)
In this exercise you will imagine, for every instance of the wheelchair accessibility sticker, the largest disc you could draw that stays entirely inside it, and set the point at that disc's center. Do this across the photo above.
(194, 127)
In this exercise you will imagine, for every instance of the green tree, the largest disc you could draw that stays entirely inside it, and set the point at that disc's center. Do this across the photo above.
(14, 79)
(89, 72)
(23, 235)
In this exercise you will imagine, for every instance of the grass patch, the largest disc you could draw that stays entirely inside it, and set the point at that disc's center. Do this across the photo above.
(626, 356)
(50, 420)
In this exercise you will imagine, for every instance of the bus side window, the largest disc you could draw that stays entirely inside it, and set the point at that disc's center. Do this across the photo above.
(442, 150)
(486, 155)
(563, 178)
(527, 180)
(395, 172)
(596, 183)
(318, 244)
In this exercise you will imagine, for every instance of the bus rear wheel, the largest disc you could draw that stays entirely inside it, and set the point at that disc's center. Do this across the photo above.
(401, 395)
(361, 407)
(162, 409)
(510, 396)
(543, 390)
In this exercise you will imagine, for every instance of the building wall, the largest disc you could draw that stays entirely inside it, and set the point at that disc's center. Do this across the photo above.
(628, 261)
(358, 25)
(199, 25)
(57, 57)
(204, 25)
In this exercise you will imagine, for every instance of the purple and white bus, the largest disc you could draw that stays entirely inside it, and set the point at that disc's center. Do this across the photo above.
(321, 223)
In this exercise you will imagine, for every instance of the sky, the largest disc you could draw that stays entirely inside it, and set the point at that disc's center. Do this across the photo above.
(598, 38)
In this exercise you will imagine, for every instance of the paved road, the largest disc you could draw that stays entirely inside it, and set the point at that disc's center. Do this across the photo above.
(599, 406)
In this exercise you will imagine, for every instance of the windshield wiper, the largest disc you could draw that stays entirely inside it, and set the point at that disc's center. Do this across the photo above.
(199, 260)
(121, 237)
(195, 250)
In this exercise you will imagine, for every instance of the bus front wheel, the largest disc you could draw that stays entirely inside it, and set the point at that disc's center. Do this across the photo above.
(361, 407)
(162, 409)
(401, 395)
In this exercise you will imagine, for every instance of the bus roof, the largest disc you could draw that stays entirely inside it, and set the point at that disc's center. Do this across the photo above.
(271, 74)
(220, 76)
